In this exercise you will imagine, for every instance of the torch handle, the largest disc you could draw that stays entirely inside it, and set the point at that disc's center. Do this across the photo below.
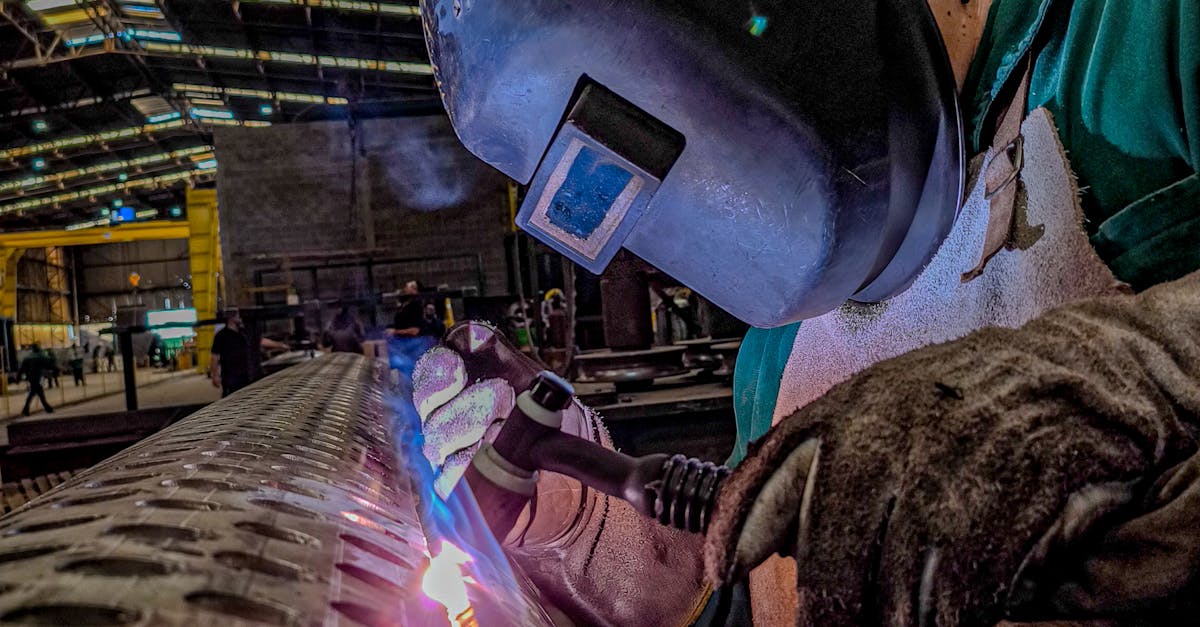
(676, 490)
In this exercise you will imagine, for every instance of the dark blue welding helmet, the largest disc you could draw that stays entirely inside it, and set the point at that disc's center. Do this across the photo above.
(779, 157)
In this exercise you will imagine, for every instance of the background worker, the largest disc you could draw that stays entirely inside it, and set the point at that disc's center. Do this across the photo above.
(345, 334)
(34, 367)
(1013, 436)
(408, 334)
(76, 363)
(229, 367)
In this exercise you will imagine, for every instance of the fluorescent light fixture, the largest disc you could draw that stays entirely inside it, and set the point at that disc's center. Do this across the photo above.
(88, 139)
(143, 9)
(404, 67)
(85, 41)
(385, 8)
(67, 16)
(218, 114)
(194, 87)
(220, 122)
(285, 96)
(85, 225)
(155, 35)
(75, 104)
(164, 117)
(146, 213)
(46, 5)
(45, 201)
(102, 168)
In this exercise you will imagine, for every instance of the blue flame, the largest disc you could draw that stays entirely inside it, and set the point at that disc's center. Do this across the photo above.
(456, 518)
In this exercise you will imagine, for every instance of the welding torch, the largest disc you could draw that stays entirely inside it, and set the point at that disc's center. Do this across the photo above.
(676, 490)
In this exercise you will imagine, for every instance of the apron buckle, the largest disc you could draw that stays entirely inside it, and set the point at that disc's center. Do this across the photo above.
(1015, 150)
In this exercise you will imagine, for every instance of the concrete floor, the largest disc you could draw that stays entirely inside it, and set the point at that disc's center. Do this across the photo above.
(174, 389)
(184, 388)
(99, 385)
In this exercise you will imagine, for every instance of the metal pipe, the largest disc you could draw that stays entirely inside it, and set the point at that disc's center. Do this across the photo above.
(293, 502)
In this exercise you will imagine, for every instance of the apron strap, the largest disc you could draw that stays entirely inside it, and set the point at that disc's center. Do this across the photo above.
(1004, 160)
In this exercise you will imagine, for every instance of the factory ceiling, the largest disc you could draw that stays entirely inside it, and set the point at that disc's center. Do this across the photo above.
(107, 107)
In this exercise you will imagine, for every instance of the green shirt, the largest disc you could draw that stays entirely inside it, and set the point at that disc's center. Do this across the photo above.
(1122, 80)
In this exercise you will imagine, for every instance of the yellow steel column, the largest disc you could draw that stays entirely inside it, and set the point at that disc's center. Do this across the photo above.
(204, 249)
(8, 281)
(8, 301)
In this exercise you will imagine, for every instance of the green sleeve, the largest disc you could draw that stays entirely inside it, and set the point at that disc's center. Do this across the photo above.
(756, 378)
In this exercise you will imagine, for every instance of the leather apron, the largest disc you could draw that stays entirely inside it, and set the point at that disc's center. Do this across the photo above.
(1041, 260)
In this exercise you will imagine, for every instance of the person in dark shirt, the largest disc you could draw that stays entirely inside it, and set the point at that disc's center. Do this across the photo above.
(33, 367)
(230, 365)
(433, 327)
(77, 365)
(345, 334)
(52, 370)
(409, 339)
(410, 316)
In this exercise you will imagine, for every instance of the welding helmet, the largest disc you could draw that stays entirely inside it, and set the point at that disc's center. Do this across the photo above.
(779, 159)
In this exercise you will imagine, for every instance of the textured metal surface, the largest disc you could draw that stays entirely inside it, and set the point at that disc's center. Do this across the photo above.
(288, 503)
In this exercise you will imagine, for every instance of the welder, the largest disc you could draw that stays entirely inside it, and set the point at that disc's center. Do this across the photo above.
(973, 392)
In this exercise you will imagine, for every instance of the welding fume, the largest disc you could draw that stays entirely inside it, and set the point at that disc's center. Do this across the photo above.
(964, 233)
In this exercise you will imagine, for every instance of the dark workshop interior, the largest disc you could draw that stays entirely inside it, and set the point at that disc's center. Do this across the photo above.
(521, 313)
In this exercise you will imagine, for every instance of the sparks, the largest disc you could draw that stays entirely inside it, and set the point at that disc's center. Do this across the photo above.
(445, 583)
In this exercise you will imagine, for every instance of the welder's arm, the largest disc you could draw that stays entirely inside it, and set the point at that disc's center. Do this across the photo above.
(214, 369)
(1009, 472)
(593, 556)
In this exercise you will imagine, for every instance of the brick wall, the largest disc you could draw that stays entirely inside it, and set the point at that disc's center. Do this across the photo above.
(287, 192)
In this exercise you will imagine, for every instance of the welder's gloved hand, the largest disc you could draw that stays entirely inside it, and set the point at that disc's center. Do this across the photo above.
(455, 420)
(463, 391)
(1030, 473)
(592, 556)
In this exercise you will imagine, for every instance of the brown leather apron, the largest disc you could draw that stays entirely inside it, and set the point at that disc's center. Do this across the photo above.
(1038, 259)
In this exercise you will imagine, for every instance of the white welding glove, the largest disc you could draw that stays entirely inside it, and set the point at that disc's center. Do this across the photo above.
(455, 418)
(592, 556)
(465, 389)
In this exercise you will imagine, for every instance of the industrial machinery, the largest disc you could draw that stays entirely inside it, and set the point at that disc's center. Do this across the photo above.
(300, 500)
